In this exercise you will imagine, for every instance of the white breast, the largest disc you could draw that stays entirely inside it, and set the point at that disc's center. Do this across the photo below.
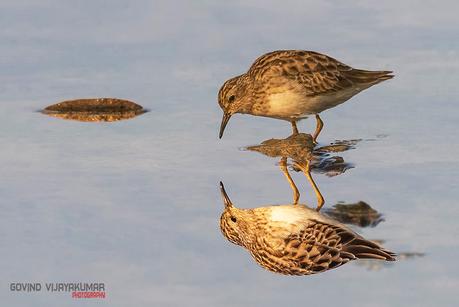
(291, 104)
(285, 104)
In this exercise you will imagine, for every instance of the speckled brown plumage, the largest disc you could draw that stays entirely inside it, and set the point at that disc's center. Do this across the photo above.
(295, 240)
(293, 84)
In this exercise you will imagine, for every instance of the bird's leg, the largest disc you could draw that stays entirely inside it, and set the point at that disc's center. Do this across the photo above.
(319, 125)
(283, 167)
(307, 171)
(294, 127)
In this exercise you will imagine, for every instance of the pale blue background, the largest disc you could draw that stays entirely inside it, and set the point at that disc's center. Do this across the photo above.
(135, 204)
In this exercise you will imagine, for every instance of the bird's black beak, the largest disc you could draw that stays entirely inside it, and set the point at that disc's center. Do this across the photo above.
(226, 199)
(225, 119)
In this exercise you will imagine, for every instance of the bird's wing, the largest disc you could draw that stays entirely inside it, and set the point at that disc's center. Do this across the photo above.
(316, 73)
(318, 247)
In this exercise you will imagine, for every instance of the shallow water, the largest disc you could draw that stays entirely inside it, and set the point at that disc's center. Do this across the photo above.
(135, 203)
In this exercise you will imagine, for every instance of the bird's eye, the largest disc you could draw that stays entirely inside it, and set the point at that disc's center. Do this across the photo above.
(231, 98)
(233, 219)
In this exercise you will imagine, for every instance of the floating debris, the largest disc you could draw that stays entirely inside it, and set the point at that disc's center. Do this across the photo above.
(331, 166)
(338, 146)
(95, 110)
(360, 214)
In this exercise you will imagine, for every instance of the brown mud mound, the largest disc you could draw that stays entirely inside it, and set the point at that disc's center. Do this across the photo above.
(95, 110)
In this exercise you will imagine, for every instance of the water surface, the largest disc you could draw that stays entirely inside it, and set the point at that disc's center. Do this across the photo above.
(135, 203)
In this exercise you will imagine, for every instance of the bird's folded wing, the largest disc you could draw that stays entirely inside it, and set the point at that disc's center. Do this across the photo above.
(328, 246)
(315, 73)
(316, 248)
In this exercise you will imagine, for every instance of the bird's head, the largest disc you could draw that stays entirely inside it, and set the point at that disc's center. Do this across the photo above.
(232, 99)
(235, 224)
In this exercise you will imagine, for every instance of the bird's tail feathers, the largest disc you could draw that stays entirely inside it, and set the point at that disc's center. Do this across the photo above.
(369, 77)
(364, 249)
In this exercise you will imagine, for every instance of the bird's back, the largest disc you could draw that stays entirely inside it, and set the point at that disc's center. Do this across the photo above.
(296, 83)
(292, 63)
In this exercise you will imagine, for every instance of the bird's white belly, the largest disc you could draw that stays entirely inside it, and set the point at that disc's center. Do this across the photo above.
(286, 104)
(293, 105)
(290, 214)
(297, 215)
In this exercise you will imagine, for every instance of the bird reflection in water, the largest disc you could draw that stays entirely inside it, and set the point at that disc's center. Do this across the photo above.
(95, 110)
(300, 149)
(294, 239)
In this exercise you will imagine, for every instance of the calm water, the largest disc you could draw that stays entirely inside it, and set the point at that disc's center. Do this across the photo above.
(135, 204)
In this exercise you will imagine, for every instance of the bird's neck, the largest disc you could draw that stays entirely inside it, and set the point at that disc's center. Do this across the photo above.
(250, 228)
(245, 91)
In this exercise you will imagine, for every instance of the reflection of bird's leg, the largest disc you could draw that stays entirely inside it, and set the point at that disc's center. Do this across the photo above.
(319, 125)
(294, 127)
(307, 171)
(283, 167)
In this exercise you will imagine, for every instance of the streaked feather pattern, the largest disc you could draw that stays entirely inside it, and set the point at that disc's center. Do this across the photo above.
(315, 73)
(292, 84)
(296, 240)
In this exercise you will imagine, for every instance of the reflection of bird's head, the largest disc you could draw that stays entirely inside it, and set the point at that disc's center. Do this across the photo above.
(234, 222)
(232, 99)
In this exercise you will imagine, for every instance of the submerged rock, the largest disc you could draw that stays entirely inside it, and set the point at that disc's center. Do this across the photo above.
(97, 109)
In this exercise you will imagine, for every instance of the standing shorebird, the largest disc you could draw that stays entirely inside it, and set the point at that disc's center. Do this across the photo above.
(295, 240)
(292, 85)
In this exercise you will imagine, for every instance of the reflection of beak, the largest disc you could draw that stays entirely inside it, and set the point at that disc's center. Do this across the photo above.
(225, 119)
(226, 199)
